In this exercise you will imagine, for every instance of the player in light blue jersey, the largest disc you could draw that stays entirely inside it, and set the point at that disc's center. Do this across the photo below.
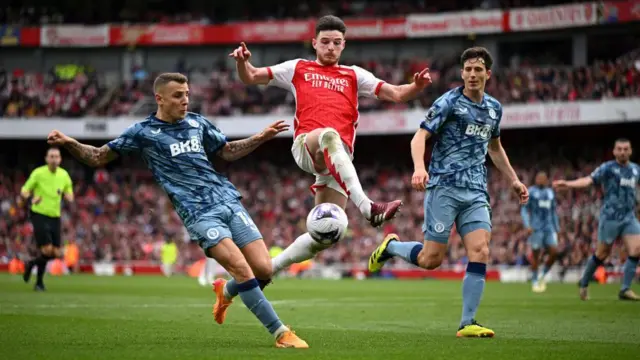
(465, 125)
(619, 178)
(540, 219)
(175, 143)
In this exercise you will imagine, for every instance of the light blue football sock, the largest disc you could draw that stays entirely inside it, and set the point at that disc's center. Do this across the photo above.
(472, 290)
(407, 250)
(254, 300)
(534, 276)
(589, 270)
(628, 272)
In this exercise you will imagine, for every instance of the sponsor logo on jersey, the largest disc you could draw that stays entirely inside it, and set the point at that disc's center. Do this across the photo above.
(188, 146)
(327, 82)
(482, 131)
(630, 182)
(544, 204)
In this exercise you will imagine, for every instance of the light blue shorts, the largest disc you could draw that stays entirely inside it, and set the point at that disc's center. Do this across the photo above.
(543, 239)
(444, 205)
(610, 230)
(229, 220)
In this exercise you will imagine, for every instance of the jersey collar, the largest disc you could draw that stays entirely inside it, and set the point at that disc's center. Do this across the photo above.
(482, 104)
(153, 117)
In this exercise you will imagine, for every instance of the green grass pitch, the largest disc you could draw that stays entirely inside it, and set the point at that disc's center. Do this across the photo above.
(88, 317)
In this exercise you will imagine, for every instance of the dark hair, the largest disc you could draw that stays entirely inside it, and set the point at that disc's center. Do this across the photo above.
(165, 78)
(623, 140)
(330, 22)
(477, 52)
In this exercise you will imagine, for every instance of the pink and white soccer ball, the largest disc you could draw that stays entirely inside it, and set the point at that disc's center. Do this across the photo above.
(327, 223)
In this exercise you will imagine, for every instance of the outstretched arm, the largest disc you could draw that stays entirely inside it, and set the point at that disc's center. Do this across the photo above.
(248, 73)
(580, 183)
(91, 155)
(596, 177)
(88, 154)
(238, 149)
(404, 93)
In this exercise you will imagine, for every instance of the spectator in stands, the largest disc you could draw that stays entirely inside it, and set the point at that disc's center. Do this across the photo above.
(120, 215)
(217, 91)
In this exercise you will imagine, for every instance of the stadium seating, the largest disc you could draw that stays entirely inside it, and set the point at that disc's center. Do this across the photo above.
(66, 91)
(166, 12)
(120, 214)
(217, 92)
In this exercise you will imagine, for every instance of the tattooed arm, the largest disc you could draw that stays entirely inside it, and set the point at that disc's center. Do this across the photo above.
(235, 150)
(91, 155)
(88, 154)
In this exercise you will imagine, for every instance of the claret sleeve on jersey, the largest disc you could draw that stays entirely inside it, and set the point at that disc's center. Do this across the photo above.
(213, 138)
(281, 75)
(368, 84)
(128, 141)
(599, 174)
(436, 115)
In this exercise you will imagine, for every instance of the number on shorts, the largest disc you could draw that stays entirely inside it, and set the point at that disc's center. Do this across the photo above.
(246, 219)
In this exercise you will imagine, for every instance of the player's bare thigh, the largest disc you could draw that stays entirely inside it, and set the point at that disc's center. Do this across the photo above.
(259, 260)
(229, 256)
(312, 142)
(603, 250)
(328, 195)
(632, 243)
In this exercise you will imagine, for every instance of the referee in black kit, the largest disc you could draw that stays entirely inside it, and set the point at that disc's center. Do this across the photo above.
(46, 187)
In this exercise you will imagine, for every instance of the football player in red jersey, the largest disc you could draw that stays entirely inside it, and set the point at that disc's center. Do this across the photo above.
(325, 122)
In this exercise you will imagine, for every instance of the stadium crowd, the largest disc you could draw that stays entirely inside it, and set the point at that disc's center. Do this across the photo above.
(66, 91)
(121, 215)
(201, 12)
(218, 92)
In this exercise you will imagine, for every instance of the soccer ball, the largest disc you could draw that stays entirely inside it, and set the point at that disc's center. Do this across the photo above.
(327, 223)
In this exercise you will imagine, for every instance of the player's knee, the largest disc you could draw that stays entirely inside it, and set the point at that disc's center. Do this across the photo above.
(240, 270)
(634, 250)
(602, 252)
(264, 270)
(478, 252)
(430, 260)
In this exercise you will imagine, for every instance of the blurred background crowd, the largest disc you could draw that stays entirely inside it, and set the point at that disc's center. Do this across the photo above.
(121, 215)
(218, 91)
